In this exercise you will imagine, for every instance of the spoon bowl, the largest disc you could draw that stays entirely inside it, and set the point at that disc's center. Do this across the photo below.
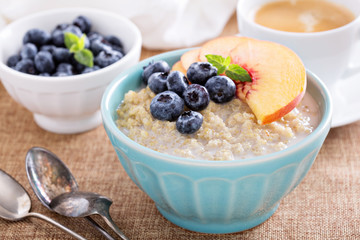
(15, 203)
(49, 177)
(82, 204)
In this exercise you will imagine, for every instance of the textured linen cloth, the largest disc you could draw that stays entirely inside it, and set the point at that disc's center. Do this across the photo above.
(164, 24)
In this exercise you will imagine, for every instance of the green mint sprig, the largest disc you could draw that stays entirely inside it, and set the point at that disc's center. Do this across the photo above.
(76, 45)
(233, 71)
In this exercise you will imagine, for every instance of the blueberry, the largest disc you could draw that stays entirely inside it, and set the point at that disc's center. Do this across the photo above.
(92, 36)
(36, 36)
(99, 45)
(83, 23)
(153, 67)
(221, 89)
(44, 62)
(106, 58)
(66, 68)
(177, 82)
(91, 69)
(61, 26)
(157, 82)
(196, 97)
(200, 72)
(48, 48)
(114, 40)
(61, 55)
(26, 66)
(115, 43)
(58, 34)
(166, 106)
(77, 67)
(28, 50)
(13, 60)
(189, 122)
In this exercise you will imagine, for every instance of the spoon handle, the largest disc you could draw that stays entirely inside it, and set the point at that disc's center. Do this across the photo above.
(106, 216)
(45, 218)
(99, 228)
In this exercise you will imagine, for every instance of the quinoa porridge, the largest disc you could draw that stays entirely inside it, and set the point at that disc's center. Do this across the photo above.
(229, 131)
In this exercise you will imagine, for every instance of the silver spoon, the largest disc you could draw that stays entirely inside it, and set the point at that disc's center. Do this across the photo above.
(15, 203)
(82, 204)
(49, 177)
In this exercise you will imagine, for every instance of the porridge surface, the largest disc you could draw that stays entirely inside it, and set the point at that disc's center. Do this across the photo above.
(229, 131)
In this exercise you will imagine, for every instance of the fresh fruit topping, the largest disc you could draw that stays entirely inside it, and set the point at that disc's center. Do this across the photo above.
(200, 72)
(153, 67)
(76, 45)
(233, 71)
(106, 58)
(238, 73)
(29, 51)
(190, 57)
(189, 122)
(13, 60)
(114, 42)
(48, 48)
(58, 37)
(83, 23)
(221, 89)
(166, 106)
(177, 82)
(61, 55)
(99, 45)
(196, 97)
(64, 68)
(26, 66)
(37, 37)
(91, 69)
(219, 46)
(178, 67)
(44, 62)
(279, 78)
(67, 43)
(157, 82)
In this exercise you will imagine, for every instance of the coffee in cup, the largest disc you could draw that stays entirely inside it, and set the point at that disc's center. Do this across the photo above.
(303, 15)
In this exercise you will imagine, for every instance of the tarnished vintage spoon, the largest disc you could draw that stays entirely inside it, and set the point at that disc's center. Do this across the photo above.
(82, 204)
(15, 203)
(49, 177)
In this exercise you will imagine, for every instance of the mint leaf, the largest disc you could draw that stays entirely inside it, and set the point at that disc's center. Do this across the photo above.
(76, 45)
(219, 62)
(85, 57)
(79, 45)
(70, 39)
(237, 73)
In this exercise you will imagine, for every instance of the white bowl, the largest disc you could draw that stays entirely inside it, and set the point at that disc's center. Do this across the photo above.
(66, 104)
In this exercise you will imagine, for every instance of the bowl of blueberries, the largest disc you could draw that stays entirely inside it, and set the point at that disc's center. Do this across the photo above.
(57, 63)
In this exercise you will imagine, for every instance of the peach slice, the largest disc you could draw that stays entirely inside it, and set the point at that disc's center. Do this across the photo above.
(278, 78)
(220, 46)
(178, 67)
(190, 57)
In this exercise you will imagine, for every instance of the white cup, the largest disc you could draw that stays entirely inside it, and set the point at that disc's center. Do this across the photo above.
(327, 53)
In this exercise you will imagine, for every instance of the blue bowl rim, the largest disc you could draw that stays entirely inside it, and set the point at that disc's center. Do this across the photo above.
(108, 122)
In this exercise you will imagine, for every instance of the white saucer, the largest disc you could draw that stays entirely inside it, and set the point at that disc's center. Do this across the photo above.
(346, 95)
(346, 101)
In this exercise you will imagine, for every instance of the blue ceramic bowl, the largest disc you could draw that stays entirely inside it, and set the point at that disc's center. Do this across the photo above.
(213, 196)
